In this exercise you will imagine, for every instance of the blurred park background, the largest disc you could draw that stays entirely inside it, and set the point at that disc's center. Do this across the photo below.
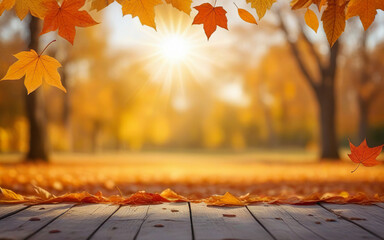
(271, 92)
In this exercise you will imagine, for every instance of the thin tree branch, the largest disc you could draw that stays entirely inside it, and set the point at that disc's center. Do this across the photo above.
(313, 51)
(296, 54)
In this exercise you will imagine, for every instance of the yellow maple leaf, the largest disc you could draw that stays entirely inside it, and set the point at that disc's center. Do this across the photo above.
(100, 4)
(366, 10)
(23, 7)
(333, 21)
(182, 5)
(143, 9)
(261, 6)
(311, 20)
(35, 67)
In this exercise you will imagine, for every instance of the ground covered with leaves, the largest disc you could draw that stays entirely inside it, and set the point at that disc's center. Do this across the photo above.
(192, 177)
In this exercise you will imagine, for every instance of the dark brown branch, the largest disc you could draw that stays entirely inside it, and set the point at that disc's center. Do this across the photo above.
(313, 51)
(295, 50)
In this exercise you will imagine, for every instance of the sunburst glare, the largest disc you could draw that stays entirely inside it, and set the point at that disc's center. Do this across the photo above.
(176, 54)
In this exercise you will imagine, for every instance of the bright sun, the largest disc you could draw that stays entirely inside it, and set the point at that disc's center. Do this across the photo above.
(175, 48)
(177, 55)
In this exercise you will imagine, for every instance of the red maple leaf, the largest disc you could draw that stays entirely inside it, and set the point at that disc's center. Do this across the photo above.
(66, 17)
(364, 154)
(210, 17)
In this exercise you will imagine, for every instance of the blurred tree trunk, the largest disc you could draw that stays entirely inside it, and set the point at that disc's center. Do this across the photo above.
(323, 86)
(363, 118)
(38, 147)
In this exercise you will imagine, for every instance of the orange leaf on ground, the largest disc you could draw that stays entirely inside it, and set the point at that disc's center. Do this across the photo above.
(66, 17)
(210, 17)
(8, 195)
(172, 196)
(222, 200)
(364, 154)
(142, 198)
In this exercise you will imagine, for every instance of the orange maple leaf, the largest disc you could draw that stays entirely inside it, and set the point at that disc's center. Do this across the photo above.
(66, 17)
(333, 21)
(366, 10)
(210, 17)
(35, 67)
(364, 154)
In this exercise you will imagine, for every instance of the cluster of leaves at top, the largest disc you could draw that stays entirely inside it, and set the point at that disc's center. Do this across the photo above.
(66, 16)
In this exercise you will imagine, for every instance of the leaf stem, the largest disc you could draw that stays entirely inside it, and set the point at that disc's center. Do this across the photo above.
(236, 5)
(358, 165)
(47, 47)
(214, 4)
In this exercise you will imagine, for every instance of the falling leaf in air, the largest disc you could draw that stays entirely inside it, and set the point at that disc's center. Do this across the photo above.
(311, 20)
(245, 15)
(35, 67)
(364, 154)
(100, 4)
(66, 17)
(334, 21)
(182, 5)
(143, 9)
(23, 7)
(210, 17)
(366, 10)
(261, 6)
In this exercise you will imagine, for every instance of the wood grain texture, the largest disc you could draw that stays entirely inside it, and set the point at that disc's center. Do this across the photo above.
(380, 205)
(78, 223)
(168, 221)
(9, 209)
(280, 224)
(225, 223)
(369, 217)
(326, 224)
(26, 222)
(123, 224)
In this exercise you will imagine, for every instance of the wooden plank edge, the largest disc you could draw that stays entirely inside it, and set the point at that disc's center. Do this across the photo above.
(53, 219)
(349, 220)
(258, 221)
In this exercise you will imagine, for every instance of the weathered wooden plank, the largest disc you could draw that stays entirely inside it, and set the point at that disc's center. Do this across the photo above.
(78, 223)
(380, 205)
(325, 223)
(369, 217)
(170, 221)
(24, 223)
(9, 209)
(280, 224)
(123, 224)
(225, 223)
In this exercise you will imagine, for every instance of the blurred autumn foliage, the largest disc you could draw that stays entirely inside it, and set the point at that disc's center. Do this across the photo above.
(258, 97)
